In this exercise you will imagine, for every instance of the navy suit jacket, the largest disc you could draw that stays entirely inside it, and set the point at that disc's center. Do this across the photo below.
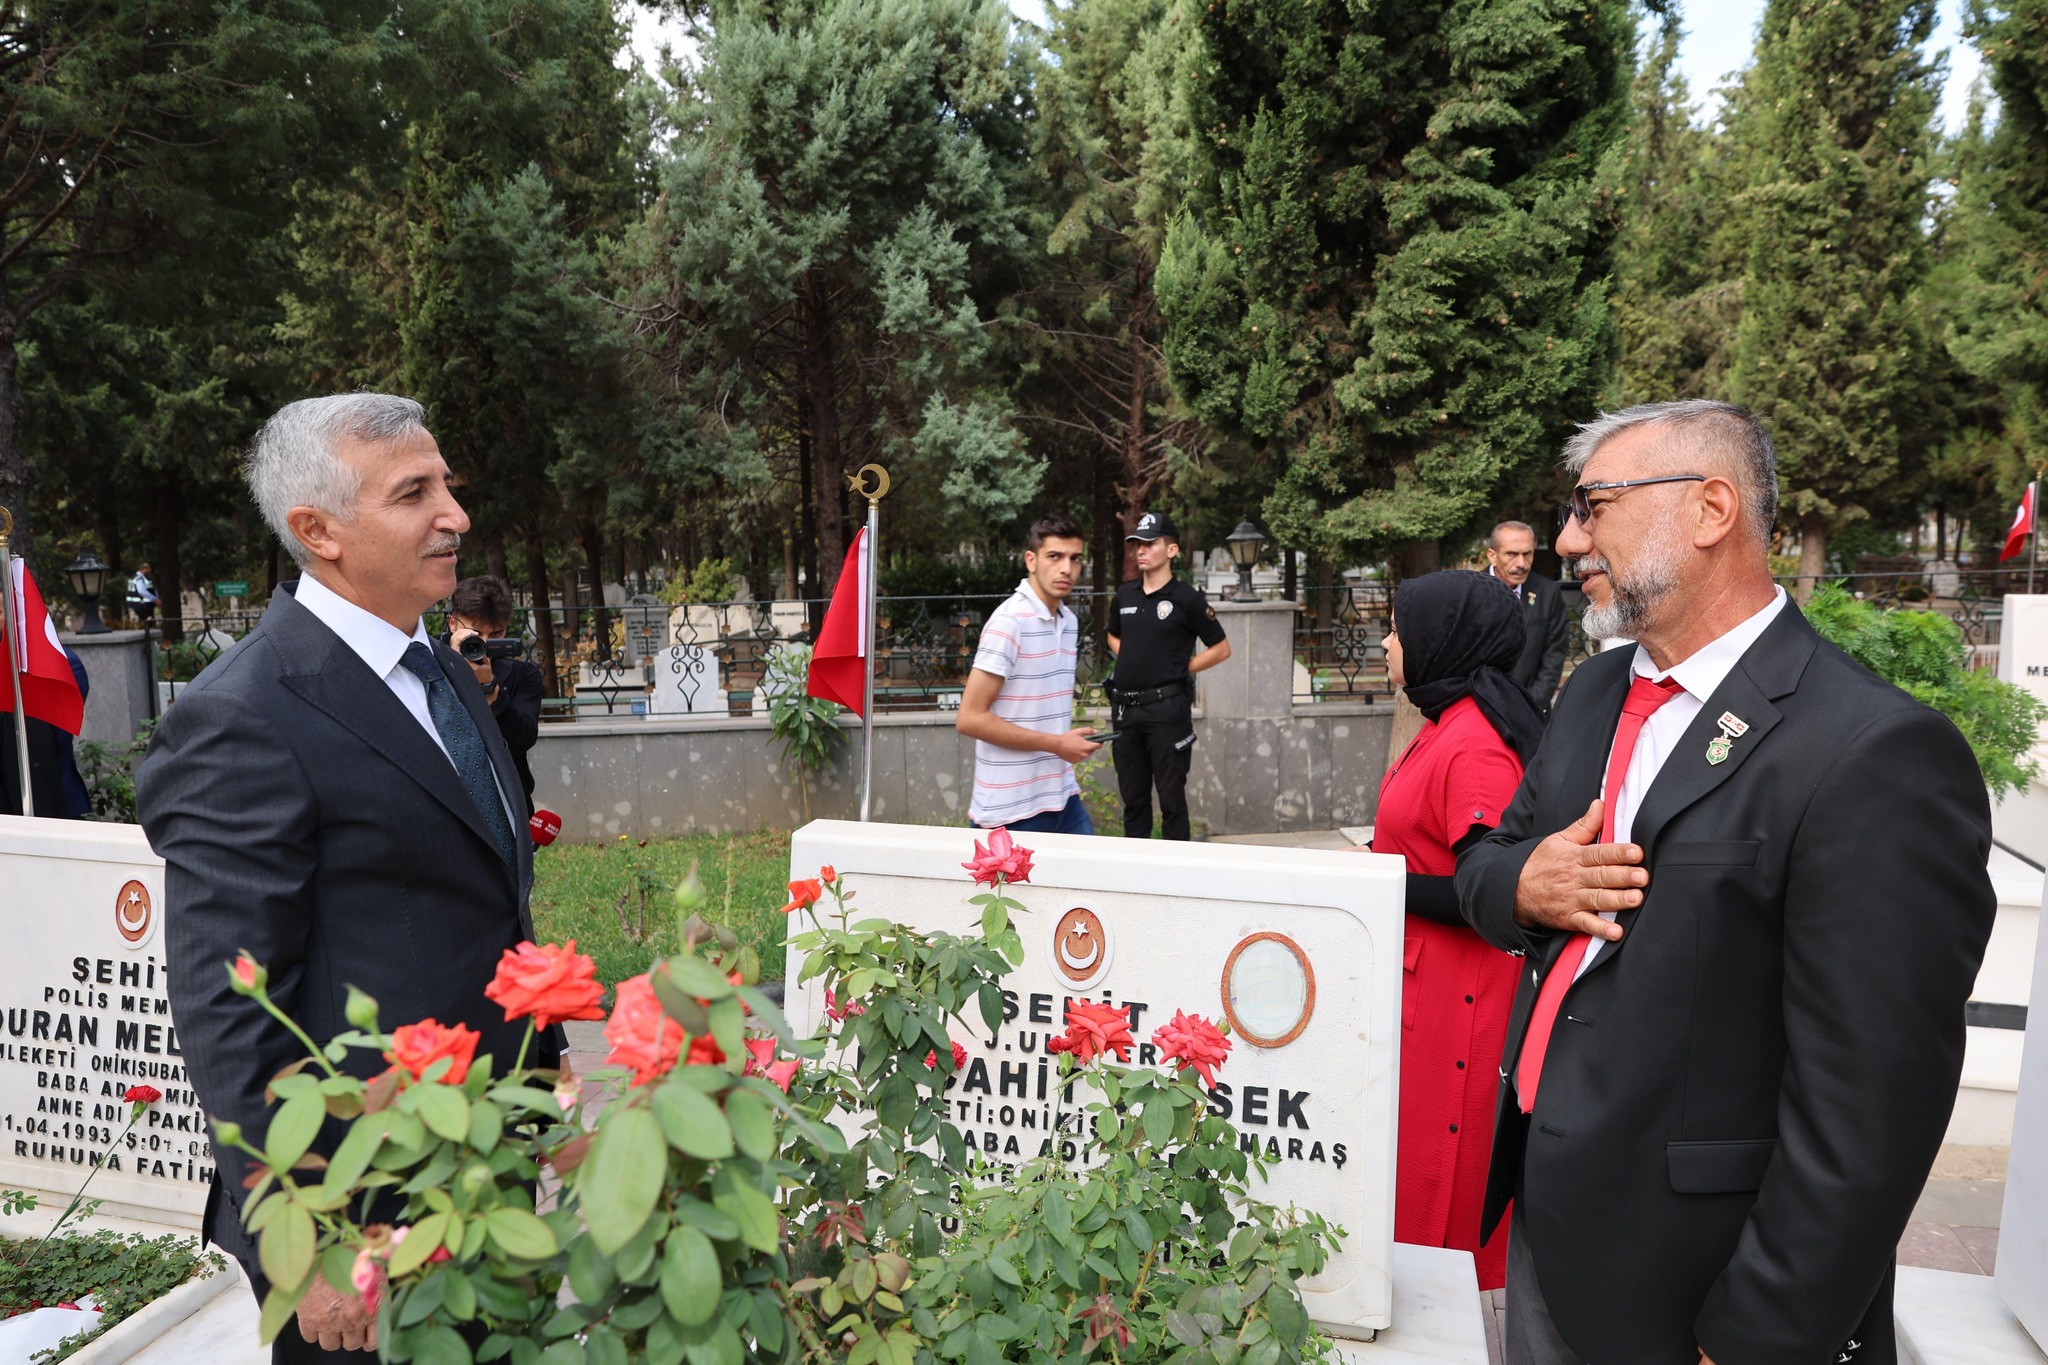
(305, 815)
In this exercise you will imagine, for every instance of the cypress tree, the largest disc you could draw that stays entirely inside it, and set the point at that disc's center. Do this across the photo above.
(1831, 349)
(1392, 279)
(2000, 224)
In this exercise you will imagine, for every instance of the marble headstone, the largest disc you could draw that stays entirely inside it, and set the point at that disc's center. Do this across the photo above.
(1300, 949)
(2023, 1225)
(84, 1015)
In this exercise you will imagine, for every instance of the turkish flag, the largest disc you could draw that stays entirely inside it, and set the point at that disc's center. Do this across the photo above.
(2022, 523)
(49, 692)
(840, 660)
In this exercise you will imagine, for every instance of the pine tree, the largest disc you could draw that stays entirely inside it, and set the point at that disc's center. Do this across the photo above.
(839, 219)
(1115, 149)
(1831, 350)
(1393, 277)
(2000, 321)
(1678, 259)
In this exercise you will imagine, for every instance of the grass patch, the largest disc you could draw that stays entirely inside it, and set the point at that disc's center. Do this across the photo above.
(593, 893)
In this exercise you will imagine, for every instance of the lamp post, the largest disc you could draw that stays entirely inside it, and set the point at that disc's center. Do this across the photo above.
(1244, 545)
(88, 576)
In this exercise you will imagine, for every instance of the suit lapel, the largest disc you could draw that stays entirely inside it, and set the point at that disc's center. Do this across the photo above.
(1769, 670)
(341, 686)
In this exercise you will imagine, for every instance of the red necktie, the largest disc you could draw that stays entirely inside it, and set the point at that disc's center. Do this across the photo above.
(1644, 697)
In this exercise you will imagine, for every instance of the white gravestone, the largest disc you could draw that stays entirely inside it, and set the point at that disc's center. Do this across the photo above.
(2023, 643)
(84, 1015)
(1299, 948)
(2023, 1226)
(686, 683)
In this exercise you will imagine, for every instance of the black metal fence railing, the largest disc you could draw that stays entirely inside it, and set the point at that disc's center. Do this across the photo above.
(646, 657)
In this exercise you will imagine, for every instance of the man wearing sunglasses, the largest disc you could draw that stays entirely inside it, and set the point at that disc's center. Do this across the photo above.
(1749, 878)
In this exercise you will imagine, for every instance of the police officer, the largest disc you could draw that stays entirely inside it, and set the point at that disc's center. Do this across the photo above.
(1153, 627)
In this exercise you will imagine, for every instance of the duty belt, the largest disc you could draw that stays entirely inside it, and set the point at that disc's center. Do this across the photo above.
(1145, 696)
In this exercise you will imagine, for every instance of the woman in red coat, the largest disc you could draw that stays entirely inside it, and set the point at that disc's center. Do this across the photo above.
(1455, 636)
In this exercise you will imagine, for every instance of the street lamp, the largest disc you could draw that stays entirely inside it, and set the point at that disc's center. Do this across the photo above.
(88, 576)
(1244, 545)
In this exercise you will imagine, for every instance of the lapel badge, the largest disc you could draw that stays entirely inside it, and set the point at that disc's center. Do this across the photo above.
(1733, 727)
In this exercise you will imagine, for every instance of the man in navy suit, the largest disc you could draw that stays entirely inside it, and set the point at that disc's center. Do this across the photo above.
(333, 796)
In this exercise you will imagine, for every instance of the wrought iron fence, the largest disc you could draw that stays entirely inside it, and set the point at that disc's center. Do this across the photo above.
(646, 657)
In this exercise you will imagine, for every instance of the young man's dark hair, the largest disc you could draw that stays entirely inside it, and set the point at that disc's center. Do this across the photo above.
(1053, 526)
(485, 599)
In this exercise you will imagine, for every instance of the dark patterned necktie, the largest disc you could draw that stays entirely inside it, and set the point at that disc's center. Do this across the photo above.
(465, 746)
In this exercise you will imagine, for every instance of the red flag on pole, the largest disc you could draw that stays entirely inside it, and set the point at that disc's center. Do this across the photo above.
(2022, 523)
(49, 692)
(840, 660)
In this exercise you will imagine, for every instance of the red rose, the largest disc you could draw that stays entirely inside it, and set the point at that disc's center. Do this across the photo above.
(142, 1094)
(1002, 860)
(1093, 1030)
(761, 1062)
(836, 1012)
(1192, 1041)
(705, 1051)
(803, 895)
(415, 1047)
(549, 982)
(827, 875)
(642, 1037)
(246, 976)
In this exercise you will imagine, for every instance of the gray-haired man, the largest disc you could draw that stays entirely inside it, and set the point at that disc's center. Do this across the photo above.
(1510, 556)
(333, 796)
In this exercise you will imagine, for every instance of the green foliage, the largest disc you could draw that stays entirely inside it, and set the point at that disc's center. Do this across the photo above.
(933, 576)
(1831, 351)
(1391, 277)
(108, 770)
(725, 1206)
(806, 727)
(2001, 221)
(1923, 653)
(710, 581)
(577, 885)
(122, 1272)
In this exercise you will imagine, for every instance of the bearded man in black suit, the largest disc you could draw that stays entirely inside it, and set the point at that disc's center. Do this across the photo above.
(1749, 878)
(333, 796)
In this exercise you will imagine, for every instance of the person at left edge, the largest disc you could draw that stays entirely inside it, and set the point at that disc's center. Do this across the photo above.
(346, 819)
(483, 607)
(1154, 624)
(1454, 636)
(1018, 704)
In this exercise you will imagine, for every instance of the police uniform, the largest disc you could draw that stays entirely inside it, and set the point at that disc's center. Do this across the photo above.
(1154, 696)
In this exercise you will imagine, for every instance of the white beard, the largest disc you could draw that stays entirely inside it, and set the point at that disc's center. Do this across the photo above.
(1632, 599)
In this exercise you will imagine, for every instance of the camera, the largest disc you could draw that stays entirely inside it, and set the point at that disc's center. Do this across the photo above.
(475, 648)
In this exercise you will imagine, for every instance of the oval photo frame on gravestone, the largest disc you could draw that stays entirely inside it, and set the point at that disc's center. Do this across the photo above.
(1268, 989)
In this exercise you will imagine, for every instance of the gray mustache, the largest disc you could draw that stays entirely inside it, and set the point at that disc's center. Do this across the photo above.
(444, 546)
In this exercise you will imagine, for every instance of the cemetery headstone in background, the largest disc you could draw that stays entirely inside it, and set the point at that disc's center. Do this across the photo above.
(1299, 949)
(84, 1015)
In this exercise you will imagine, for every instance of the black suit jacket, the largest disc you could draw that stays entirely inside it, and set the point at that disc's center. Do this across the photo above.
(1541, 664)
(303, 813)
(517, 709)
(1742, 1098)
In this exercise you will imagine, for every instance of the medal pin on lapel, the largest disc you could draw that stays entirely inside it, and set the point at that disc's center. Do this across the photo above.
(1733, 727)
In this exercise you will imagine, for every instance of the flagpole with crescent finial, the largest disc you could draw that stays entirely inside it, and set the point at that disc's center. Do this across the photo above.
(874, 489)
(16, 651)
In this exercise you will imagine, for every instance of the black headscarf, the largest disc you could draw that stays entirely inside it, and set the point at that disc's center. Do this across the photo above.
(1460, 634)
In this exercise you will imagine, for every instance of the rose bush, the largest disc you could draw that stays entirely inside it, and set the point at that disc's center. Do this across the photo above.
(743, 1195)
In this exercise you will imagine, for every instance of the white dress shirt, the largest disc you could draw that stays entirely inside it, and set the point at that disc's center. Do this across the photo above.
(1699, 674)
(381, 645)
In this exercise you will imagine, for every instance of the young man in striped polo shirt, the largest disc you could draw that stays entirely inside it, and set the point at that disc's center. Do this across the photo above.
(1018, 705)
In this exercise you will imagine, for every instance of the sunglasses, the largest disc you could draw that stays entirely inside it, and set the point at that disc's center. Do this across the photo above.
(1580, 507)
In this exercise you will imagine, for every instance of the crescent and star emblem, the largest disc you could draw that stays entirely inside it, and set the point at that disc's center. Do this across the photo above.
(1080, 946)
(131, 912)
(858, 481)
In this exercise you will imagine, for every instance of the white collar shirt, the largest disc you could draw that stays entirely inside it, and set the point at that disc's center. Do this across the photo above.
(1699, 674)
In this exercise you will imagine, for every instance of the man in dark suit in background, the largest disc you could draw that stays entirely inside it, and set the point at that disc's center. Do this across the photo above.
(1510, 557)
(1749, 878)
(333, 795)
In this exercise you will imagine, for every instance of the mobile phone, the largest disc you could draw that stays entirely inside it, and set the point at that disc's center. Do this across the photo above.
(1104, 737)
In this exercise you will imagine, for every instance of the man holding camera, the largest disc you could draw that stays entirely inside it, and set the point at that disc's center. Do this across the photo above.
(479, 611)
